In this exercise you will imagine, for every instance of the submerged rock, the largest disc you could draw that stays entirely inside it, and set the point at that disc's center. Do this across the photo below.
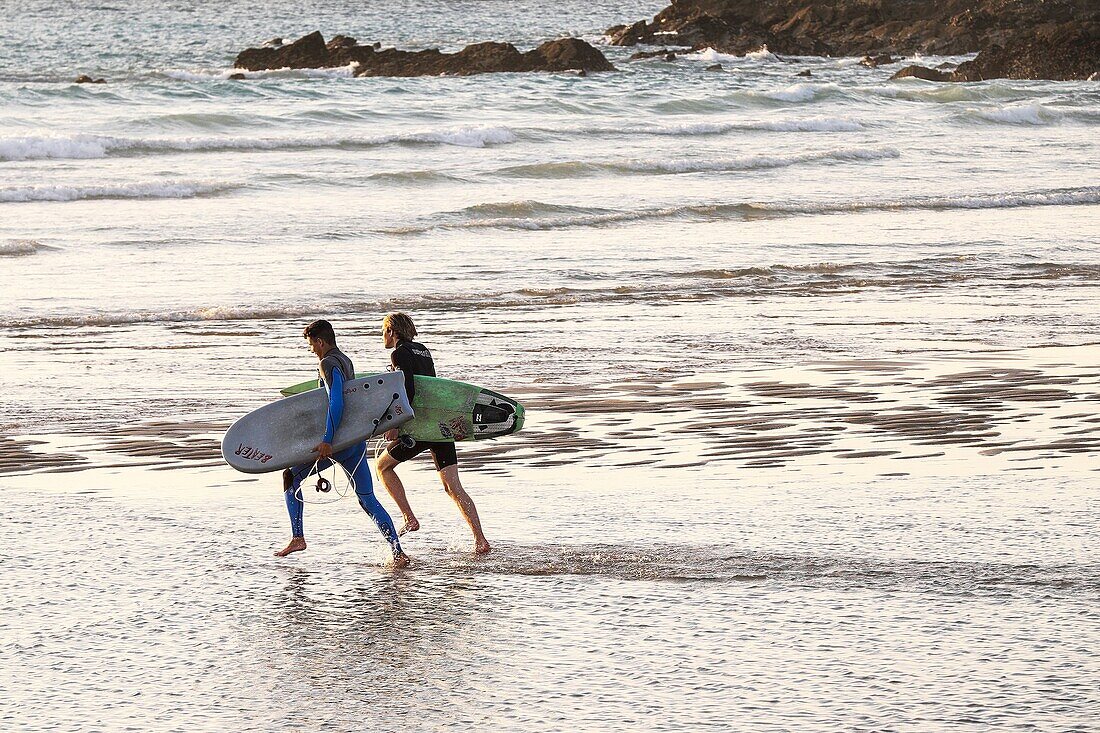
(311, 52)
(922, 72)
(85, 79)
(872, 62)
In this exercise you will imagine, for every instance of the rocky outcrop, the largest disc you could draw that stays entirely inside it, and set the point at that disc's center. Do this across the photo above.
(85, 79)
(1059, 53)
(311, 52)
(894, 27)
(922, 72)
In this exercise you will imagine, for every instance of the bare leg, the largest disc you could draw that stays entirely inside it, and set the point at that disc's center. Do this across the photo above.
(386, 473)
(297, 544)
(453, 486)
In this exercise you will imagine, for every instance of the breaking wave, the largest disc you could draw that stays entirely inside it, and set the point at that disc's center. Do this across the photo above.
(537, 216)
(576, 168)
(154, 190)
(101, 146)
(22, 248)
(1023, 114)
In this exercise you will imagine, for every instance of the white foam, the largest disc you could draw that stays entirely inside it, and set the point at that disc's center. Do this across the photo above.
(101, 146)
(709, 55)
(150, 190)
(21, 247)
(1023, 114)
(41, 148)
(808, 124)
(801, 92)
(469, 137)
(813, 124)
(762, 54)
(204, 75)
(756, 162)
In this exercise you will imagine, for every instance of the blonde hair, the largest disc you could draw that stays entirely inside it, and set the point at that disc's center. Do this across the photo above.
(401, 325)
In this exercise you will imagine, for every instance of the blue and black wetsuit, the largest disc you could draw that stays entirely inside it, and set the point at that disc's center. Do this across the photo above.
(334, 370)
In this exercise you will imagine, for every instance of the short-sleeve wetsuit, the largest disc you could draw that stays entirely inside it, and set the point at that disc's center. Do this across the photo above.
(413, 358)
(336, 368)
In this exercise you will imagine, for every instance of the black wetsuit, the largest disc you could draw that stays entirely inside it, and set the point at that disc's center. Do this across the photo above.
(413, 358)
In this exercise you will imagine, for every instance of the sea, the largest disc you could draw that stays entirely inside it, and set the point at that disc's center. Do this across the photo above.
(811, 366)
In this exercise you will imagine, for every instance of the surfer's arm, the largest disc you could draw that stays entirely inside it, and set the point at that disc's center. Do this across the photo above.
(406, 368)
(335, 405)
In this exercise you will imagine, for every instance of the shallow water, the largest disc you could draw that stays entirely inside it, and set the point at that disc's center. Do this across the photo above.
(810, 370)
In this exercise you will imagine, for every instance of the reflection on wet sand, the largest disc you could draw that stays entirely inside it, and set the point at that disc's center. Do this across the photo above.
(849, 410)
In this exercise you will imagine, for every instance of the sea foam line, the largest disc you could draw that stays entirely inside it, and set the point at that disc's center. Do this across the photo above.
(536, 216)
(22, 247)
(569, 169)
(706, 127)
(101, 146)
(149, 190)
(776, 279)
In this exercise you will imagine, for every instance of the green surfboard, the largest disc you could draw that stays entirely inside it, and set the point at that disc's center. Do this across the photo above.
(446, 410)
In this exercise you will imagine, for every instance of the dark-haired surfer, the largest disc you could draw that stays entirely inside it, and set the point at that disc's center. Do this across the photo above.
(334, 369)
(412, 358)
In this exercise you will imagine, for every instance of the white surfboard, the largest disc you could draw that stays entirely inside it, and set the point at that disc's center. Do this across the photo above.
(285, 432)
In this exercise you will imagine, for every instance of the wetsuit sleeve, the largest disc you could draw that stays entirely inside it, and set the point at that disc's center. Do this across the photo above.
(401, 360)
(335, 404)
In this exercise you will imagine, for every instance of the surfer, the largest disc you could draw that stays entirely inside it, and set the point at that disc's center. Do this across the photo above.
(412, 358)
(334, 369)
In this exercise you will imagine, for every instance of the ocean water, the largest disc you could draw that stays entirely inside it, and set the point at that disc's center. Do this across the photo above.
(810, 366)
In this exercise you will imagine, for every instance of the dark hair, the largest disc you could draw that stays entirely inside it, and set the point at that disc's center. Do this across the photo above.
(320, 330)
(401, 325)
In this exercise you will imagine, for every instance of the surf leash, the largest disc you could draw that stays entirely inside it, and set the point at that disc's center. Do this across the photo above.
(325, 486)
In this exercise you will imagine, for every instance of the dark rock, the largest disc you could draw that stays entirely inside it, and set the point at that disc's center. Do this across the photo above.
(662, 52)
(714, 67)
(274, 41)
(849, 27)
(670, 56)
(1060, 53)
(339, 41)
(922, 72)
(804, 72)
(629, 35)
(237, 77)
(1094, 77)
(564, 54)
(947, 66)
(582, 72)
(308, 52)
(872, 62)
(85, 79)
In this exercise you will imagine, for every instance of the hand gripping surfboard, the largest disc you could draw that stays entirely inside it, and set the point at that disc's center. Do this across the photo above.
(285, 432)
(446, 410)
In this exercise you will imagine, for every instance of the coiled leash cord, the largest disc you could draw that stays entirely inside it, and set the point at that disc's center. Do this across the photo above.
(325, 486)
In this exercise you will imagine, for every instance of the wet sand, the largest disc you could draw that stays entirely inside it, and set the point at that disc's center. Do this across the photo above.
(1012, 411)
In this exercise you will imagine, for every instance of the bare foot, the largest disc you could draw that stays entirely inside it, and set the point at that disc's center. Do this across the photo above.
(401, 560)
(297, 544)
(411, 525)
(482, 547)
